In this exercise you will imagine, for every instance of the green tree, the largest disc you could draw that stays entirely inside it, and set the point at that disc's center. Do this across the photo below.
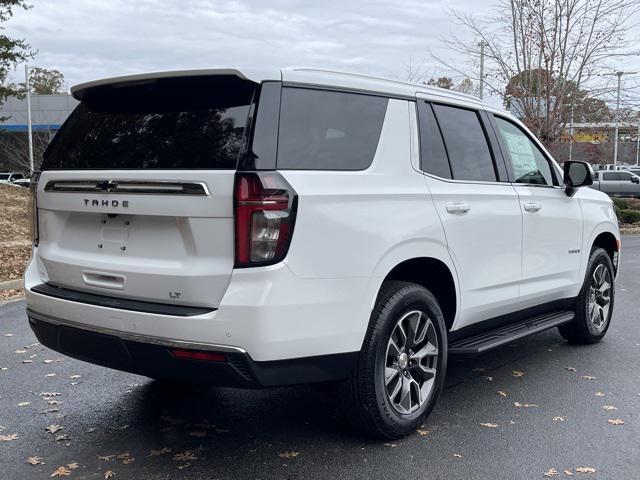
(12, 50)
(44, 81)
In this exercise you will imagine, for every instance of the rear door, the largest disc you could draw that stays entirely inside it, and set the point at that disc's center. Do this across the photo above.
(480, 214)
(552, 221)
(136, 192)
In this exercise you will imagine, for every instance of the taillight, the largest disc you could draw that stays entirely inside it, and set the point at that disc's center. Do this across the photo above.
(198, 355)
(265, 209)
(33, 207)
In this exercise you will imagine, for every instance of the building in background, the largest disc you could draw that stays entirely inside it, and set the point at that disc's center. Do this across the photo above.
(48, 113)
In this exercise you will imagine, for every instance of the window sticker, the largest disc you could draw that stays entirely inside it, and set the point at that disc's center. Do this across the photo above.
(522, 156)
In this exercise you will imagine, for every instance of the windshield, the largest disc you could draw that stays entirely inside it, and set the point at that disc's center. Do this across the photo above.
(4, 176)
(188, 123)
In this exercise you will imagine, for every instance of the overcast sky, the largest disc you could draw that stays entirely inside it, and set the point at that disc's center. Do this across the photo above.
(88, 39)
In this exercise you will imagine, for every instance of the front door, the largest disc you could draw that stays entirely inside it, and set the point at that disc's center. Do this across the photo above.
(552, 221)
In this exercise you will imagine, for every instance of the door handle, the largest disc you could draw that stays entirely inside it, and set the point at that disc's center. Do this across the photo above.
(532, 206)
(458, 207)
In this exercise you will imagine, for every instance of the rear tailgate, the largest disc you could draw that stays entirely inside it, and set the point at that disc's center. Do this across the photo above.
(135, 199)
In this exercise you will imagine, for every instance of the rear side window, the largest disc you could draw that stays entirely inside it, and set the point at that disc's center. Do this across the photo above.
(433, 155)
(326, 130)
(178, 123)
(469, 153)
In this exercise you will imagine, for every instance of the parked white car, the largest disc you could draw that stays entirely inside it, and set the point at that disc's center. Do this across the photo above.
(268, 228)
(10, 177)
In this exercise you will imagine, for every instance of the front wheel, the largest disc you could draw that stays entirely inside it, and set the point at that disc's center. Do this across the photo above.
(594, 304)
(401, 368)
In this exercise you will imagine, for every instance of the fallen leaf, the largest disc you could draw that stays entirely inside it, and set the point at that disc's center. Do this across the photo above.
(599, 394)
(186, 455)
(27, 361)
(568, 473)
(162, 451)
(609, 407)
(8, 438)
(50, 375)
(53, 428)
(47, 361)
(123, 455)
(21, 351)
(524, 405)
(585, 470)
(589, 377)
(54, 402)
(34, 460)
(73, 377)
(422, 432)
(106, 458)
(518, 373)
(392, 445)
(457, 455)
(489, 379)
(288, 454)
(184, 465)
(8, 334)
(3, 369)
(50, 394)
(615, 421)
(489, 425)
(551, 472)
(60, 438)
(61, 472)
(90, 430)
(127, 461)
(109, 474)
(72, 465)
(24, 404)
(570, 369)
(502, 394)
(559, 419)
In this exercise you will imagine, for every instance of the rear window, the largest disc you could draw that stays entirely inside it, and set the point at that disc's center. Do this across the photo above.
(326, 130)
(177, 123)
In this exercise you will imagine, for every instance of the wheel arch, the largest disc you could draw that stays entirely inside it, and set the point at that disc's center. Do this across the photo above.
(433, 274)
(608, 241)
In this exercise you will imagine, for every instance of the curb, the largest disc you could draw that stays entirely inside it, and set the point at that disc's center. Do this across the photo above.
(12, 284)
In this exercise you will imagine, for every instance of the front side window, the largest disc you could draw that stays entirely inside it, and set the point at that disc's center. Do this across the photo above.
(466, 142)
(528, 163)
(327, 130)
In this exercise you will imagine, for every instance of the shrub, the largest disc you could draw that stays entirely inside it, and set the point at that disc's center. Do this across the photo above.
(621, 203)
(629, 216)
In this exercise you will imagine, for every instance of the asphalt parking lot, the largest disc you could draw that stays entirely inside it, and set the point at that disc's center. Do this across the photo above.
(548, 419)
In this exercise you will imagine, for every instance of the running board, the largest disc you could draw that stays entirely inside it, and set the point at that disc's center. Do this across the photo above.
(502, 336)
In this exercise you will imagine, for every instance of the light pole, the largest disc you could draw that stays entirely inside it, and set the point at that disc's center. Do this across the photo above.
(619, 74)
(482, 44)
(571, 132)
(29, 126)
(638, 145)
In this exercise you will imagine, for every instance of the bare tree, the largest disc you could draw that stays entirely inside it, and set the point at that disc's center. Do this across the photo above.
(14, 149)
(540, 52)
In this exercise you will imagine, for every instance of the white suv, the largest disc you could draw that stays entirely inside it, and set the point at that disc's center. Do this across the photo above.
(255, 229)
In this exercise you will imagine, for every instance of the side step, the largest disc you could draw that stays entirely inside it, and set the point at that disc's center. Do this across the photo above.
(484, 342)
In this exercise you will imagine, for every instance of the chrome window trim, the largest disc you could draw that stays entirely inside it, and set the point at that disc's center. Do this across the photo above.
(129, 186)
(136, 337)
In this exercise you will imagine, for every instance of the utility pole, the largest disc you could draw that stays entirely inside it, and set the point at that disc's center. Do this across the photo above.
(571, 132)
(619, 74)
(482, 44)
(638, 145)
(29, 126)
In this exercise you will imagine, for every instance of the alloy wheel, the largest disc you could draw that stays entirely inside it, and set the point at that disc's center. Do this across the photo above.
(599, 298)
(411, 362)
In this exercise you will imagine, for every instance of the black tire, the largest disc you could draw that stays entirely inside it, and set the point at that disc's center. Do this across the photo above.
(364, 395)
(582, 330)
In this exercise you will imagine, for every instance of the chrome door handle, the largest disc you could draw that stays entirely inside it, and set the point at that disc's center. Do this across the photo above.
(458, 207)
(532, 206)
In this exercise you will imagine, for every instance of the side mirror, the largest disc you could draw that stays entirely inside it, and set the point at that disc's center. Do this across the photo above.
(577, 174)
(635, 180)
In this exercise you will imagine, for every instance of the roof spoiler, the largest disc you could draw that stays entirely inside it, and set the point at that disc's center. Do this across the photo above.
(257, 76)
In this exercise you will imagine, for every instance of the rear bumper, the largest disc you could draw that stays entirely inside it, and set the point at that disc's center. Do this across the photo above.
(152, 357)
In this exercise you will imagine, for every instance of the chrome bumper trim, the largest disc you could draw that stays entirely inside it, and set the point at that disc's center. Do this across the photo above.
(136, 337)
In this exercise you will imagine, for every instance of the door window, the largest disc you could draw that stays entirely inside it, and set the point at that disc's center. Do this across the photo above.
(528, 162)
(469, 153)
(610, 176)
(433, 155)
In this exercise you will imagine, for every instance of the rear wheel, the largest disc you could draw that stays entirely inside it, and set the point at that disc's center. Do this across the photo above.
(594, 304)
(401, 368)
